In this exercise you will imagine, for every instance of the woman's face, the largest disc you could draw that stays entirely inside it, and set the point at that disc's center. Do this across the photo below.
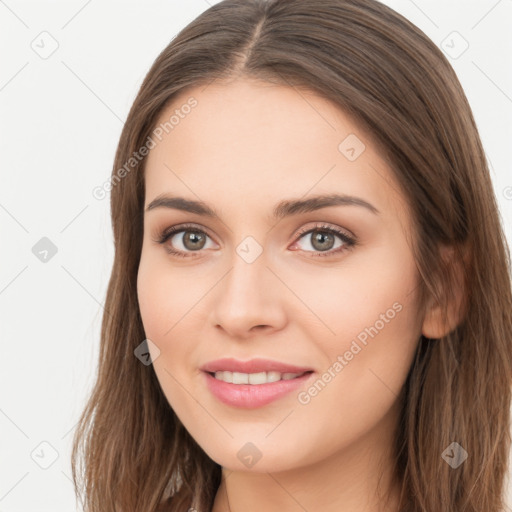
(256, 281)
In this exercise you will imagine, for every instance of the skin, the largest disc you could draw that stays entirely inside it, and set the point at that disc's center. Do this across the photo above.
(246, 146)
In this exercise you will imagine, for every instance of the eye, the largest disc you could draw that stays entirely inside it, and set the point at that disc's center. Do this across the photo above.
(194, 239)
(322, 240)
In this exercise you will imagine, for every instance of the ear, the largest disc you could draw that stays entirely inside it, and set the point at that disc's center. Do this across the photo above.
(441, 319)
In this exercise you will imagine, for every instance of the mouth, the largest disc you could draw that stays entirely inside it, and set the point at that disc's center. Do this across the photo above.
(253, 390)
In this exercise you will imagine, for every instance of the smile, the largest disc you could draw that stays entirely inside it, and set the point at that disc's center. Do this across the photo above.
(252, 390)
(254, 378)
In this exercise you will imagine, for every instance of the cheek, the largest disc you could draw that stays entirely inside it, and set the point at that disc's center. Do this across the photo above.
(363, 381)
(163, 295)
(162, 304)
(170, 303)
(152, 301)
(370, 326)
(373, 290)
(371, 310)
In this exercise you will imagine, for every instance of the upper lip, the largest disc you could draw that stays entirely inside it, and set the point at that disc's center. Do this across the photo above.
(252, 366)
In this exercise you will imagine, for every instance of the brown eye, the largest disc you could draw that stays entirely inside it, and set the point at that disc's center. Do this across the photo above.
(322, 241)
(193, 240)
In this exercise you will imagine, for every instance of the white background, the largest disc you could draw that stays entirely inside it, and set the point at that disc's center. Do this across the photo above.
(60, 121)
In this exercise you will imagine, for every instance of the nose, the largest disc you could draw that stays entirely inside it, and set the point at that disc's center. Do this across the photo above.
(249, 300)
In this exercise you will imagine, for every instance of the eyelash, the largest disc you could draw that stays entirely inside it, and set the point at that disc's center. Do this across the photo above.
(349, 242)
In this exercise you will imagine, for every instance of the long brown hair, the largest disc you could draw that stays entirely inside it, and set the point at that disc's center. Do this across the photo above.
(130, 450)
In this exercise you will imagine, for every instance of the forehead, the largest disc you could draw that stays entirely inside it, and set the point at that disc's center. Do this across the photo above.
(257, 142)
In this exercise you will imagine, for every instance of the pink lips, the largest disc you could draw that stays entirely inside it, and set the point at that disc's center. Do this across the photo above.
(250, 396)
(252, 366)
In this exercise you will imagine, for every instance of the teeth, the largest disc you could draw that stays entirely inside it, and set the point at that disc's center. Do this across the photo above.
(254, 378)
(240, 378)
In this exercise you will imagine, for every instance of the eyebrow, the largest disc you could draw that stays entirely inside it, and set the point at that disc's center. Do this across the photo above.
(283, 209)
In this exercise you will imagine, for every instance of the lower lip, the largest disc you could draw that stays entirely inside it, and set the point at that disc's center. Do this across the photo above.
(250, 396)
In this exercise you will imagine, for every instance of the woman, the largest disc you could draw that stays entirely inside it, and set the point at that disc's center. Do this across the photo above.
(308, 251)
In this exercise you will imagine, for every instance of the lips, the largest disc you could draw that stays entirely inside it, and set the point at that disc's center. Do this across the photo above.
(252, 396)
(252, 366)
